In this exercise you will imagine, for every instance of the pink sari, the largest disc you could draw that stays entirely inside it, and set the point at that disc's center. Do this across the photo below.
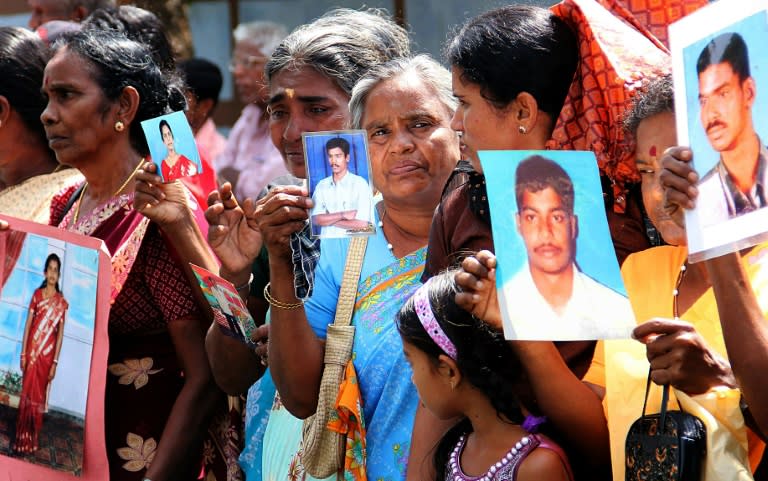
(47, 319)
(148, 289)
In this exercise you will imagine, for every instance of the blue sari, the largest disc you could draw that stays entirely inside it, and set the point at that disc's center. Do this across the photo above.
(389, 397)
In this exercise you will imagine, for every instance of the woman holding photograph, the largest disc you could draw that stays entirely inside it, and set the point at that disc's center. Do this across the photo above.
(175, 165)
(405, 106)
(311, 76)
(502, 110)
(160, 394)
(40, 350)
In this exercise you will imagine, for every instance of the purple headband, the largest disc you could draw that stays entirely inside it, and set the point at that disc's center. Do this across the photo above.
(428, 321)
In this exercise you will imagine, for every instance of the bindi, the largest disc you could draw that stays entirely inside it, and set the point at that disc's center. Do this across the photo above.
(652, 152)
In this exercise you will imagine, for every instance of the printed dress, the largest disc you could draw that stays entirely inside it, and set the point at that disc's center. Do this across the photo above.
(148, 290)
(389, 397)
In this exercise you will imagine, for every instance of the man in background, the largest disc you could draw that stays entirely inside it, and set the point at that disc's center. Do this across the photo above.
(203, 79)
(250, 159)
(68, 10)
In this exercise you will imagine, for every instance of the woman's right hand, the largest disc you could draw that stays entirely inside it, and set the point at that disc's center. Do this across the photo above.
(233, 234)
(680, 356)
(164, 204)
(477, 280)
(281, 213)
(678, 179)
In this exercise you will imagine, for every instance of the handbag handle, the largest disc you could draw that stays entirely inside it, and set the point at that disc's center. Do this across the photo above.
(348, 293)
(664, 402)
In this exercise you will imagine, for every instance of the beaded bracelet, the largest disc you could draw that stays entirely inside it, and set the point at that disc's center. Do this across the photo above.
(279, 304)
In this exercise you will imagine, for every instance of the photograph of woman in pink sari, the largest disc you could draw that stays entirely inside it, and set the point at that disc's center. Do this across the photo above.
(41, 345)
(175, 165)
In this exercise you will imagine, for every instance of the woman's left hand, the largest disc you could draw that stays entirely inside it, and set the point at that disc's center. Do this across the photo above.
(679, 356)
(165, 204)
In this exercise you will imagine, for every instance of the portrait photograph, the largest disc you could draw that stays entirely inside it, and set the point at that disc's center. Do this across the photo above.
(720, 74)
(229, 309)
(338, 175)
(172, 146)
(557, 276)
(54, 303)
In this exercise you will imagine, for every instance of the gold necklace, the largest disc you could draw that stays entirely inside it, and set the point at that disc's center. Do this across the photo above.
(85, 187)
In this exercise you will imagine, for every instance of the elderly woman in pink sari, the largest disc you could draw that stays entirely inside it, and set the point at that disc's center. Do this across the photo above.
(41, 345)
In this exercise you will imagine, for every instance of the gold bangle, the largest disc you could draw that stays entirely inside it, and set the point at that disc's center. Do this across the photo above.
(280, 305)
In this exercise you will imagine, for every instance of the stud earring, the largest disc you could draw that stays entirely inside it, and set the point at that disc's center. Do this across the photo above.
(522, 129)
(119, 126)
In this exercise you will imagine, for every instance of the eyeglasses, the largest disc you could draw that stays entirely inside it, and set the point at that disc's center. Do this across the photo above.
(249, 62)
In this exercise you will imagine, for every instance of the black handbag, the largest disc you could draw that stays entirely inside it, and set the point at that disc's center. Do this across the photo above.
(674, 452)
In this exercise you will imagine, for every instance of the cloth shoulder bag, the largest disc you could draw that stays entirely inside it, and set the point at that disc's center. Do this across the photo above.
(323, 450)
(668, 446)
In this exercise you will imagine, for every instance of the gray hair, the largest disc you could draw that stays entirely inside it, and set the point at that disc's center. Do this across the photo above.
(436, 77)
(655, 98)
(265, 35)
(343, 45)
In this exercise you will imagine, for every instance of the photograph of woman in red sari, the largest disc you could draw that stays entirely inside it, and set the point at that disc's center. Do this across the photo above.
(41, 346)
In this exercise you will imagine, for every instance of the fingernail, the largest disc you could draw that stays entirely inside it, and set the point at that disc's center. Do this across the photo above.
(479, 284)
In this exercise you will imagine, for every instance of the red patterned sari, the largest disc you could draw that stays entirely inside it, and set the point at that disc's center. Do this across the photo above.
(46, 318)
(148, 290)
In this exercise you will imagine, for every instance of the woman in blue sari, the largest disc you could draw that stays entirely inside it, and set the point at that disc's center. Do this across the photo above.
(405, 106)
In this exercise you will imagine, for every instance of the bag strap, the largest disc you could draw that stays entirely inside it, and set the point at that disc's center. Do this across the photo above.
(663, 413)
(664, 401)
(350, 280)
(647, 390)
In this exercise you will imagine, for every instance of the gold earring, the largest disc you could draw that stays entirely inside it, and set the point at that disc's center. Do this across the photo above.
(119, 126)
(522, 129)
(453, 385)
